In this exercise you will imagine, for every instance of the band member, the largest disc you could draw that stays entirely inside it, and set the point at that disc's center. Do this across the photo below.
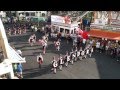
(20, 31)
(15, 31)
(75, 52)
(32, 28)
(54, 65)
(72, 57)
(74, 42)
(80, 53)
(24, 31)
(34, 38)
(90, 51)
(84, 43)
(57, 45)
(60, 62)
(87, 51)
(44, 44)
(45, 37)
(40, 60)
(31, 40)
(66, 59)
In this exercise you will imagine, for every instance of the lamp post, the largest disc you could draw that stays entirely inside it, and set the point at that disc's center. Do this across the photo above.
(38, 18)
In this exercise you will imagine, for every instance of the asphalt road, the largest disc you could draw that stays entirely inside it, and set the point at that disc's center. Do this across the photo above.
(99, 66)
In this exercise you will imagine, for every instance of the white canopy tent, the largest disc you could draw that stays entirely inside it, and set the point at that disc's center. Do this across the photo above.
(11, 56)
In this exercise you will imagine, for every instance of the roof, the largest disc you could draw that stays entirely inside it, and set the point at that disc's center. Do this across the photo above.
(105, 34)
(14, 57)
(5, 67)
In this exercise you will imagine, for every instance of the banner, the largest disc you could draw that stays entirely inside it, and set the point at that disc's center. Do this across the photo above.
(115, 22)
(60, 19)
(100, 21)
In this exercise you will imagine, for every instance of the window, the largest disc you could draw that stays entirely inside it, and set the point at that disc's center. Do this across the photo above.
(27, 14)
(32, 14)
(71, 31)
(43, 14)
(61, 30)
(67, 31)
(22, 13)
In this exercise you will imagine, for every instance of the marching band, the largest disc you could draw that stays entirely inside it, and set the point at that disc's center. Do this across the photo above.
(79, 52)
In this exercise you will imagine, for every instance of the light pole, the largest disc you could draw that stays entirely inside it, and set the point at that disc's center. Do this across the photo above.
(38, 18)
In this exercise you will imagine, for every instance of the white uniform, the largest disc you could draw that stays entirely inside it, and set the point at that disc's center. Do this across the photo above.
(57, 45)
(34, 38)
(40, 56)
(90, 52)
(55, 64)
(61, 60)
(78, 53)
(87, 51)
(82, 53)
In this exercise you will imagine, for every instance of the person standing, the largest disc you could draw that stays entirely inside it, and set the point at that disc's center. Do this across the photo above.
(66, 59)
(44, 44)
(90, 51)
(34, 38)
(98, 46)
(54, 65)
(40, 60)
(60, 62)
(15, 68)
(19, 70)
(57, 45)
(80, 56)
(30, 40)
(72, 57)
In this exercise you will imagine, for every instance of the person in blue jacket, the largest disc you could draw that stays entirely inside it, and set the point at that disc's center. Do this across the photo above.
(19, 70)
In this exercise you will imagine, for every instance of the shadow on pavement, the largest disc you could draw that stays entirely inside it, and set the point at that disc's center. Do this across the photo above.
(37, 72)
(107, 67)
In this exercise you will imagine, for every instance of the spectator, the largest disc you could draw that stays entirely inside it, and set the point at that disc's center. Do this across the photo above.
(19, 70)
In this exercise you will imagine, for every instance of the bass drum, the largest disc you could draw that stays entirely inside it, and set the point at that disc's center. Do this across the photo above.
(55, 64)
